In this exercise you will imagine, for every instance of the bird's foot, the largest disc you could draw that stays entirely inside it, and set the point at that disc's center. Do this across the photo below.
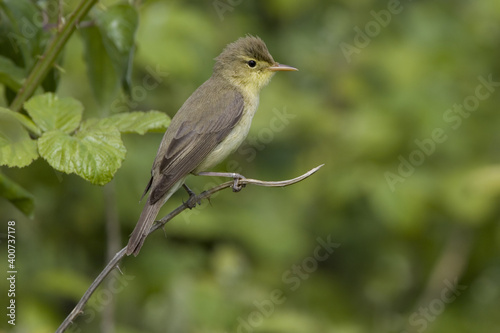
(191, 202)
(237, 186)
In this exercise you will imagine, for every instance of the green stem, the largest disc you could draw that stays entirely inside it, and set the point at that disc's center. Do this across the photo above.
(45, 63)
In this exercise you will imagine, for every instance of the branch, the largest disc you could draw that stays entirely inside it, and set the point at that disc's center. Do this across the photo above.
(46, 61)
(78, 309)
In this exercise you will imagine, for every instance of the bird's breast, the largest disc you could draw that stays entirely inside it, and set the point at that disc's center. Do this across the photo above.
(234, 139)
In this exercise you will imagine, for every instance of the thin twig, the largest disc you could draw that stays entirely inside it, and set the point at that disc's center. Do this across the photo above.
(85, 298)
(78, 309)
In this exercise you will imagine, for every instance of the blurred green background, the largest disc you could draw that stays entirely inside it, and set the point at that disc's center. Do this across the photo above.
(406, 126)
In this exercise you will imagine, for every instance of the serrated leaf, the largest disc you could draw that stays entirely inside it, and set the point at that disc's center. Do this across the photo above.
(104, 81)
(10, 75)
(16, 147)
(132, 122)
(94, 154)
(50, 112)
(18, 196)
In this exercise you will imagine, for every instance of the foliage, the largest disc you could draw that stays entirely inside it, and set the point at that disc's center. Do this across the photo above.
(92, 149)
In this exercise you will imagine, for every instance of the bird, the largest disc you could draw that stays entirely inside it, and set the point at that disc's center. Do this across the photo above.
(210, 125)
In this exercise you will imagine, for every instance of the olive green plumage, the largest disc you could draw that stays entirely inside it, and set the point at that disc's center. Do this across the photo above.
(210, 125)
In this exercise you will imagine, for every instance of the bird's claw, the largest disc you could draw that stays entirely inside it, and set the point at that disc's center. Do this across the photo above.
(236, 184)
(191, 202)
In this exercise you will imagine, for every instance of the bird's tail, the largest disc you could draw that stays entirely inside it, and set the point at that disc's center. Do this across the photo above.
(147, 218)
(141, 230)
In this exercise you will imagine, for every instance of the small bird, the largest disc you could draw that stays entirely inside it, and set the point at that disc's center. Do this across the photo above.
(209, 126)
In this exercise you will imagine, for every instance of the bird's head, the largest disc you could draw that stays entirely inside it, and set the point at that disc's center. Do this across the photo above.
(247, 64)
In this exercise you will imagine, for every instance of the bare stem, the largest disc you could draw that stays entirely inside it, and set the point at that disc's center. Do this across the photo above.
(78, 309)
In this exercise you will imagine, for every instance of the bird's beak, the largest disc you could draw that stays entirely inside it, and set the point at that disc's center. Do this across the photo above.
(280, 67)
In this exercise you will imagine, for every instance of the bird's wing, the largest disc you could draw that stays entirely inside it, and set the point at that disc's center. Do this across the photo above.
(194, 139)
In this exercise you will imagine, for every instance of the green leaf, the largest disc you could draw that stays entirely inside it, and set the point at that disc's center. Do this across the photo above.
(93, 154)
(118, 26)
(103, 78)
(10, 75)
(17, 195)
(50, 112)
(26, 34)
(16, 147)
(132, 122)
(25, 121)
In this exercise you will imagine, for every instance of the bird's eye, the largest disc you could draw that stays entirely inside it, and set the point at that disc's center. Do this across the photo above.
(251, 63)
